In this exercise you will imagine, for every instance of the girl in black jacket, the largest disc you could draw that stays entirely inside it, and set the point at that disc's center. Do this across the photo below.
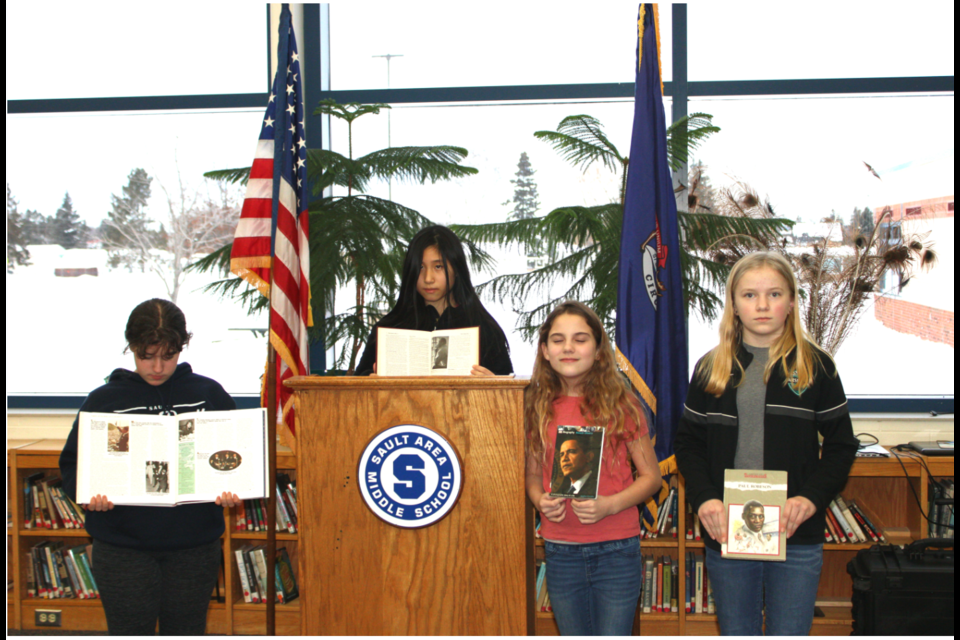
(153, 563)
(758, 401)
(436, 293)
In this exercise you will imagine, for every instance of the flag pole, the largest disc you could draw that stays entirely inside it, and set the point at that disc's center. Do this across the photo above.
(271, 482)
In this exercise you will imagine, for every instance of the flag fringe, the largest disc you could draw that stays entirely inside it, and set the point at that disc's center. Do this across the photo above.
(243, 267)
(284, 352)
(637, 381)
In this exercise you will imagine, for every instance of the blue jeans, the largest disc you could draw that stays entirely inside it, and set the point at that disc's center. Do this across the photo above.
(741, 588)
(594, 588)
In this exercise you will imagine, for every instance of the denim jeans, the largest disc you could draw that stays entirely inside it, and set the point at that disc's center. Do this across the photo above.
(741, 588)
(594, 588)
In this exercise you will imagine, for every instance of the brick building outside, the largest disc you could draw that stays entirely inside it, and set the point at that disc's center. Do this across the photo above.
(924, 307)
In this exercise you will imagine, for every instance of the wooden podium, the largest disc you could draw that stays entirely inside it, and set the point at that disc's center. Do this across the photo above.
(470, 573)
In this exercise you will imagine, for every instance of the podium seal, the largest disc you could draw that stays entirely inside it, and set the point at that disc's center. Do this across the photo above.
(410, 476)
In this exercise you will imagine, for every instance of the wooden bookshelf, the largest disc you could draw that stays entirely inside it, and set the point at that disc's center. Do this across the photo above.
(879, 485)
(885, 490)
(231, 617)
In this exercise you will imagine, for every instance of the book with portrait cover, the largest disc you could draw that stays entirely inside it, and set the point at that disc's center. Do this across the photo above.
(754, 500)
(576, 462)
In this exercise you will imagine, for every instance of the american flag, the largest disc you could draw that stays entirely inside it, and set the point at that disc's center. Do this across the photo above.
(274, 224)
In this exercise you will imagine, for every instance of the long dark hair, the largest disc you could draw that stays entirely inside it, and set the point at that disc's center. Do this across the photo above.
(411, 309)
(156, 322)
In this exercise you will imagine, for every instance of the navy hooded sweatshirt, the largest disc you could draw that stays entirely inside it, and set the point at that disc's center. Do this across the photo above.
(150, 528)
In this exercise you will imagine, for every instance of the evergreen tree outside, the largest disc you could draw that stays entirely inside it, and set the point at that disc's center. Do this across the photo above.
(357, 240)
(127, 220)
(525, 198)
(583, 243)
(861, 221)
(36, 228)
(66, 227)
(17, 254)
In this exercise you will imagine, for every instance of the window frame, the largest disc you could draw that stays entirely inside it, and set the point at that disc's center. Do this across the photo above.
(316, 36)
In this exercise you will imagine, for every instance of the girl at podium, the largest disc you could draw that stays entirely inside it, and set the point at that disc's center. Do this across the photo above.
(153, 563)
(436, 293)
(592, 545)
(760, 400)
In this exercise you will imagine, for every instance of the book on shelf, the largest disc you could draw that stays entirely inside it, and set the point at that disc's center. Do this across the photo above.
(840, 522)
(861, 520)
(698, 582)
(711, 604)
(754, 499)
(285, 578)
(576, 464)
(242, 573)
(675, 585)
(541, 576)
(542, 589)
(150, 460)
(444, 352)
(858, 533)
(647, 584)
(940, 508)
(249, 568)
(81, 555)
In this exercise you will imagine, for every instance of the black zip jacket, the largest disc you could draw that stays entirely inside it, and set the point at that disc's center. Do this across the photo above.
(706, 442)
(150, 528)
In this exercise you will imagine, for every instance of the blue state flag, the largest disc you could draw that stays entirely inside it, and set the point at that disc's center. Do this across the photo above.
(651, 328)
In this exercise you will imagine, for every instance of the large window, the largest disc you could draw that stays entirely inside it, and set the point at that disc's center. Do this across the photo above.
(806, 152)
(134, 49)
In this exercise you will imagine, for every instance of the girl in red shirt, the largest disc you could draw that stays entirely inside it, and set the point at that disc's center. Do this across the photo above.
(592, 545)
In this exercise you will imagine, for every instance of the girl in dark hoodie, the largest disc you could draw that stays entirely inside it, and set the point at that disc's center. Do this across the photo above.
(153, 563)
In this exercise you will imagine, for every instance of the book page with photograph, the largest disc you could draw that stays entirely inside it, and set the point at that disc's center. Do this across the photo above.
(150, 460)
(576, 462)
(444, 352)
(754, 500)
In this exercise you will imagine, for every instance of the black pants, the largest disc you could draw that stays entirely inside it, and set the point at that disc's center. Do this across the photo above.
(139, 587)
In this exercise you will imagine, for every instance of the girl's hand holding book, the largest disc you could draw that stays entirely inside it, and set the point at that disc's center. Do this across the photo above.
(714, 518)
(477, 370)
(98, 503)
(553, 509)
(228, 499)
(592, 511)
(797, 511)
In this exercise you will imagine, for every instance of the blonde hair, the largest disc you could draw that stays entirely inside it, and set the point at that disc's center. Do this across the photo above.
(607, 397)
(795, 351)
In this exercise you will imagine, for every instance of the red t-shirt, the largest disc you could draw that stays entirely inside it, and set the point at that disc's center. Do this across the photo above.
(615, 476)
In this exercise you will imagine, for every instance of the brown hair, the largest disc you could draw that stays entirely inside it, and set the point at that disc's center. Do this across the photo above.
(156, 322)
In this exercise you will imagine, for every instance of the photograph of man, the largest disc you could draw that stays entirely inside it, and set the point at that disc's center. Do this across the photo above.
(579, 468)
(750, 536)
(440, 348)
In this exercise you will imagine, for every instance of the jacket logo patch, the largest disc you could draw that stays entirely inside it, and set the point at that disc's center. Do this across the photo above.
(793, 382)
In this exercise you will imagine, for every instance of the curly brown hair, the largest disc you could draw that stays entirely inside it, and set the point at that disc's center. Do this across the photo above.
(607, 397)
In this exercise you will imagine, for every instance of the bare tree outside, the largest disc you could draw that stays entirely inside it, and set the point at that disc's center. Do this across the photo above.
(840, 274)
(197, 222)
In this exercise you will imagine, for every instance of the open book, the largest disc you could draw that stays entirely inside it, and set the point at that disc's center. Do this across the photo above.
(169, 460)
(754, 501)
(445, 352)
(576, 462)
